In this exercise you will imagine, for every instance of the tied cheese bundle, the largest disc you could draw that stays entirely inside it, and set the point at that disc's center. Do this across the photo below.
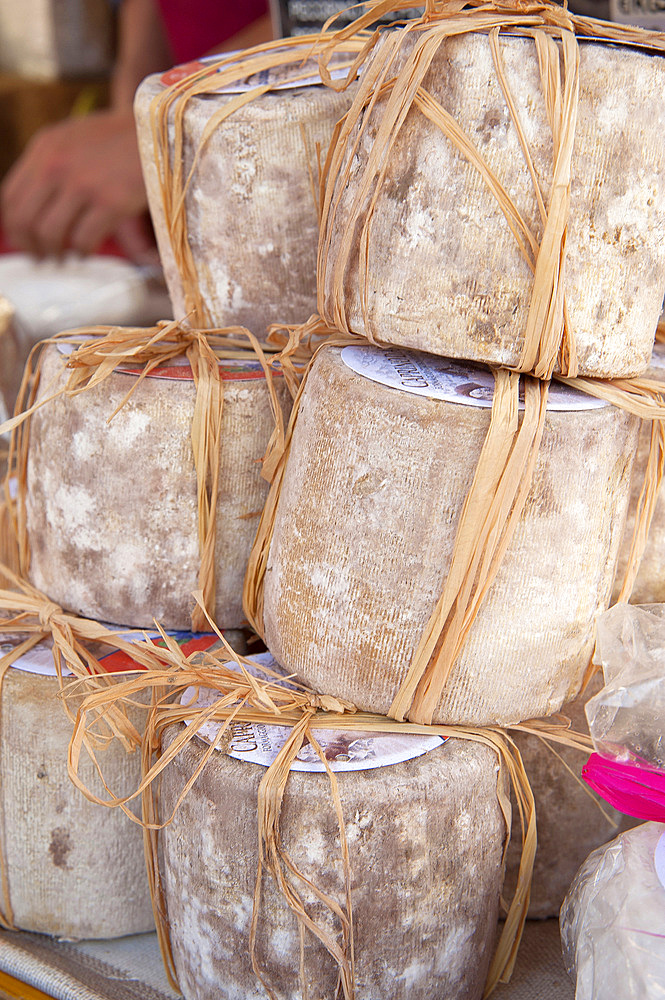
(434, 225)
(241, 247)
(347, 596)
(73, 869)
(111, 507)
(418, 817)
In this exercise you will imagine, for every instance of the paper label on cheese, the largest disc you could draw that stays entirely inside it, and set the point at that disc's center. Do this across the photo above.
(442, 378)
(344, 750)
(39, 659)
(288, 77)
(659, 860)
(178, 369)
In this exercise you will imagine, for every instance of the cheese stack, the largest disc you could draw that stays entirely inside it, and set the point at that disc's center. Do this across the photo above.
(425, 836)
(366, 520)
(444, 272)
(572, 820)
(112, 514)
(74, 869)
(649, 585)
(251, 206)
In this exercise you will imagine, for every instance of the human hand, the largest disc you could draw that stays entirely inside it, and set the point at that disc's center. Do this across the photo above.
(78, 183)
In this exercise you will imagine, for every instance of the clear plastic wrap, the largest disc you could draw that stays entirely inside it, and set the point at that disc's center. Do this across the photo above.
(613, 919)
(626, 717)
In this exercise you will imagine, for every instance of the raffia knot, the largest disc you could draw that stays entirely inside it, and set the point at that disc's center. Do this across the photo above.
(327, 703)
(47, 613)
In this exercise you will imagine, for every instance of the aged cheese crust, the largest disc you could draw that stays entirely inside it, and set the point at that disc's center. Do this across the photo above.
(649, 585)
(75, 869)
(568, 815)
(445, 274)
(251, 211)
(364, 534)
(112, 508)
(425, 840)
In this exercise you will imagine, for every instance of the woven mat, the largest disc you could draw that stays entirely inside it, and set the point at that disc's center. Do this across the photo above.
(131, 968)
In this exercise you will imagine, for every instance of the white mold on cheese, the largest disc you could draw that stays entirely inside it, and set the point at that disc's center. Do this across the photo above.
(445, 273)
(425, 841)
(251, 207)
(112, 507)
(74, 869)
(364, 533)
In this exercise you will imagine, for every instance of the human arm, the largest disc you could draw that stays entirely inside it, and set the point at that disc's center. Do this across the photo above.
(80, 181)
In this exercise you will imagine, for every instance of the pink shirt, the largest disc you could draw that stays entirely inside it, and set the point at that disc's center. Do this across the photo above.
(193, 27)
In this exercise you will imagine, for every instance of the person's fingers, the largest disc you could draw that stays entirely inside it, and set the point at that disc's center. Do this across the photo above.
(51, 230)
(23, 203)
(95, 224)
(134, 237)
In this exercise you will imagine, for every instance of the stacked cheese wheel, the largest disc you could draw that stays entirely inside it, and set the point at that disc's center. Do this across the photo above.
(251, 207)
(415, 827)
(367, 517)
(74, 869)
(443, 271)
(112, 514)
(371, 498)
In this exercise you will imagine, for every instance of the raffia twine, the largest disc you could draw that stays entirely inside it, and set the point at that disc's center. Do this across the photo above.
(489, 515)
(97, 352)
(170, 106)
(167, 672)
(548, 339)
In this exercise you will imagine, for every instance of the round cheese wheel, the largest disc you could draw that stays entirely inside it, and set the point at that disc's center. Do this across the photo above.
(425, 841)
(649, 587)
(112, 507)
(74, 869)
(444, 271)
(366, 523)
(568, 814)
(251, 207)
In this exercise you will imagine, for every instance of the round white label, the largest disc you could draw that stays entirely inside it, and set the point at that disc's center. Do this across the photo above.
(442, 378)
(290, 76)
(345, 750)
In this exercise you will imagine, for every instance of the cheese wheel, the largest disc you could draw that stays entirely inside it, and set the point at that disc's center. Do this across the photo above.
(425, 839)
(74, 869)
(649, 587)
(112, 508)
(364, 534)
(251, 207)
(568, 814)
(445, 273)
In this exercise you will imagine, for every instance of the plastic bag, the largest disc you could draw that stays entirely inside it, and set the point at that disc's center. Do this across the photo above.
(626, 716)
(613, 919)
